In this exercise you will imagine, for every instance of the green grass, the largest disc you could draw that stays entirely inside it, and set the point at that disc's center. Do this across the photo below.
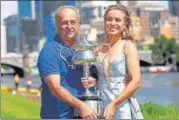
(18, 107)
(152, 110)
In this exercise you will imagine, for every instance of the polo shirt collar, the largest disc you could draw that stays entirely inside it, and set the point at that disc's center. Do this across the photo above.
(58, 40)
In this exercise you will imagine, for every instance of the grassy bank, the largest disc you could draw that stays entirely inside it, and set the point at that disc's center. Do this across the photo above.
(20, 107)
(151, 110)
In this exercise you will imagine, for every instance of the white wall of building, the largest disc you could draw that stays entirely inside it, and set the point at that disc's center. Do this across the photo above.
(97, 3)
(125, 3)
(3, 40)
(96, 9)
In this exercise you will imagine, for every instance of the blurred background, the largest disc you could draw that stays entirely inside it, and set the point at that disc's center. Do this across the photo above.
(27, 25)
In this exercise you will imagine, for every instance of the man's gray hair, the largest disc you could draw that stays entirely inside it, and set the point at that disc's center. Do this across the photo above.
(66, 6)
(55, 15)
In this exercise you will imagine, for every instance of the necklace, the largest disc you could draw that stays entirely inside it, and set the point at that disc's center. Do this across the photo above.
(105, 48)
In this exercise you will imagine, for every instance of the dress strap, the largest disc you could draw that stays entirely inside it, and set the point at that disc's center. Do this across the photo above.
(123, 47)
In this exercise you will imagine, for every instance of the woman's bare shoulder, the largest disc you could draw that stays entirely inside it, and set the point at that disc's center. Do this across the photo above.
(130, 46)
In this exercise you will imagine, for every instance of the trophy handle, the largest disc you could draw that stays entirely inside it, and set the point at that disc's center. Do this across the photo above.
(86, 74)
(86, 70)
(84, 35)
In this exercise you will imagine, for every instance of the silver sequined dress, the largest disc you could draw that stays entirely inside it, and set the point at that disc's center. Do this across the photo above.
(109, 90)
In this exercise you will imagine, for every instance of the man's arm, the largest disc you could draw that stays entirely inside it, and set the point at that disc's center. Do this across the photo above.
(53, 83)
(48, 65)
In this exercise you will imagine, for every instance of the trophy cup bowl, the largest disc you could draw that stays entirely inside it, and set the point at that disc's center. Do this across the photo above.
(84, 55)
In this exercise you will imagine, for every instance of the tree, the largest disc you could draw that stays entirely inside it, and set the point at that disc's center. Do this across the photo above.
(163, 49)
(177, 53)
(169, 50)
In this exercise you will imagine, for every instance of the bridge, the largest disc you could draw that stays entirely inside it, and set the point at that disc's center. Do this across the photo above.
(17, 63)
(18, 68)
(145, 57)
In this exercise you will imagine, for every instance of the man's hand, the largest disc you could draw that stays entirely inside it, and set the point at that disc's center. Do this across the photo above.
(88, 82)
(53, 83)
(86, 112)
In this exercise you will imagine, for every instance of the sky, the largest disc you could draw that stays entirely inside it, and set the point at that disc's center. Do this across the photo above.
(10, 7)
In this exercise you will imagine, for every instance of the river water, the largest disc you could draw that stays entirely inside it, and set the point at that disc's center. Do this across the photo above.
(159, 88)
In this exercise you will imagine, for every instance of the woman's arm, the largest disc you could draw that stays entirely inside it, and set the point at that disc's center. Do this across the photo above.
(133, 67)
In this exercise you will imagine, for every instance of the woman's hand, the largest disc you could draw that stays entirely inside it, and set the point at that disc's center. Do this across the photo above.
(110, 111)
(88, 82)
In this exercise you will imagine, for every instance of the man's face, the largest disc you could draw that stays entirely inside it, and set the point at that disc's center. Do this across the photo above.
(67, 24)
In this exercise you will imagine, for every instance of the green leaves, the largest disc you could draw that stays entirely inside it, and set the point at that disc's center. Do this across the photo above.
(163, 49)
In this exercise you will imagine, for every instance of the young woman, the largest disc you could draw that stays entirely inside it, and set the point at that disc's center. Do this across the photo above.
(119, 70)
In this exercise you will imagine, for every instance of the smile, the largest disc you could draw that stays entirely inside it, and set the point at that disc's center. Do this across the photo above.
(112, 29)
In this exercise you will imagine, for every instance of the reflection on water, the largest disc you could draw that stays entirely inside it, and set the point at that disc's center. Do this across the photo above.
(160, 95)
(166, 79)
(159, 88)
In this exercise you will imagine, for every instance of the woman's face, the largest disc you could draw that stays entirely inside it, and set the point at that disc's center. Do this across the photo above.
(114, 22)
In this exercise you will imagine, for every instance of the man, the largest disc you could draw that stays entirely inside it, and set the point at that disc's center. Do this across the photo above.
(60, 83)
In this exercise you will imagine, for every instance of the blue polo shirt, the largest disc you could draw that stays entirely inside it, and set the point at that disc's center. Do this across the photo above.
(50, 62)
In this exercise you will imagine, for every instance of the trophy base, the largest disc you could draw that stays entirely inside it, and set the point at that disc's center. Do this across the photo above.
(94, 102)
(79, 117)
(84, 98)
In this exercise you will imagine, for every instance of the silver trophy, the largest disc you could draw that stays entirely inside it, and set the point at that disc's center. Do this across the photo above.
(84, 55)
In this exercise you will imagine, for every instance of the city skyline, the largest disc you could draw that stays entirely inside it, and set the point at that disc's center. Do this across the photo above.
(12, 7)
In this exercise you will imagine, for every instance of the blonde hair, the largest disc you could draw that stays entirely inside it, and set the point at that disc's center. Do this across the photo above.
(128, 30)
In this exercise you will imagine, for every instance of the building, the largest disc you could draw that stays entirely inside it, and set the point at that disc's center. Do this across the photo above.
(21, 33)
(34, 21)
(29, 34)
(92, 11)
(174, 22)
(174, 19)
(173, 7)
(131, 3)
(12, 33)
(150, 17)
(166, 30)
(25, 8)
(3, 40)
(44, 12)
(136, 26)
(18, 37)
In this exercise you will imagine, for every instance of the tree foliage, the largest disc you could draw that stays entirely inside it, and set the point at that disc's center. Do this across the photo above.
(177, 53)
(163, 49)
